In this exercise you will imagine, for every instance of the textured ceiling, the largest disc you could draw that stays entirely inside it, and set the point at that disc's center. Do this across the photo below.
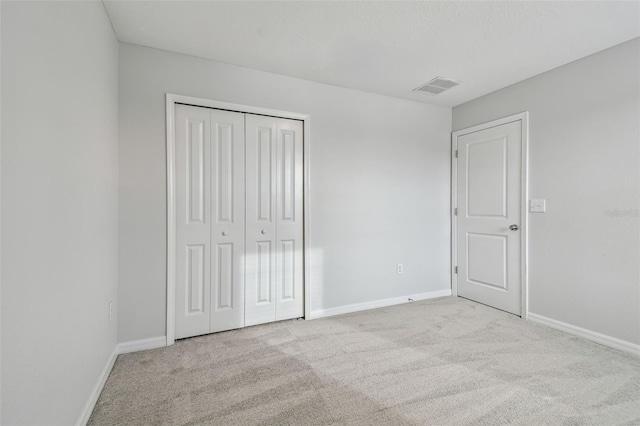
(384, 47)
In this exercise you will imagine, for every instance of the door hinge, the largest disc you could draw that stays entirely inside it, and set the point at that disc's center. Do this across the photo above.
(456, 153)
(456, 271)
(455, 211)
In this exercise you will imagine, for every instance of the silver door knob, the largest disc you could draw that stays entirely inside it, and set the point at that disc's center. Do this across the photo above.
(514, 227)
(263, 232)
(224, 233)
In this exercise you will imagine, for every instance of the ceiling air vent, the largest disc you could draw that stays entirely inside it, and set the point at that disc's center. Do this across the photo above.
(437, 85)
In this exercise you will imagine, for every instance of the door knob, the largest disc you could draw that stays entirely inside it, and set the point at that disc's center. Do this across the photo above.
(263, 232)
(224, 233)
(513, 227)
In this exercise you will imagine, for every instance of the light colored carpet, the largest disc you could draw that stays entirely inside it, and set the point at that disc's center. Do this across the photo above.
(441, 362)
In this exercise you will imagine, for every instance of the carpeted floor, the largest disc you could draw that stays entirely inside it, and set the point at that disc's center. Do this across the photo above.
(441, 362)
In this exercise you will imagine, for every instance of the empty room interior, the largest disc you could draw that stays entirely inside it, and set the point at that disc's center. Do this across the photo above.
(336, 212)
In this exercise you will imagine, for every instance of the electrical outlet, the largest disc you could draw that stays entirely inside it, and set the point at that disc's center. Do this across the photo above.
(110, 310)
(400, 269)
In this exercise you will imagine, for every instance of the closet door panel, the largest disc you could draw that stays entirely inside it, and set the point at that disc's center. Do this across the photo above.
(239, 220)
(193, 224)
(227, 218)
(289, 220)
(261, 247)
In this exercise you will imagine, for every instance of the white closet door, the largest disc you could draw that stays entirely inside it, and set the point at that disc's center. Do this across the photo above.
(260, 272)
(209, 220)
(289, 219)
(239, 220)
(227, 232)
(193, 224)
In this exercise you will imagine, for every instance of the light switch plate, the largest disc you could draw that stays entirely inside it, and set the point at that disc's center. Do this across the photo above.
(538, 206)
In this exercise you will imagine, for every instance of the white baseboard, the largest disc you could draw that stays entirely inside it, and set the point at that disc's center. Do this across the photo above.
(142, 345)
(121, 348)
(346, 309)
(97, 390)
(602, 339)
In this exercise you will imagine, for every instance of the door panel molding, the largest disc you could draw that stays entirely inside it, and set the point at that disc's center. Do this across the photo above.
(523, 117)
(226, 208)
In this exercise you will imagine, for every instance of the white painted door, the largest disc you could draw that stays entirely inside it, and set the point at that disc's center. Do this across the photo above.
(274, 269)
(209, 220)
(261, 186)
(193, 224)
(289, 219)
(488, 219)
(227, 236)
(239, 220)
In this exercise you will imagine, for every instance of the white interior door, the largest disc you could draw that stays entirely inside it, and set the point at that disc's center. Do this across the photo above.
(209, 220)
(261, 187)
(193, 223)
(227, 233)
(274, 244)
(239, 220)
(488, 219)
(289, 220)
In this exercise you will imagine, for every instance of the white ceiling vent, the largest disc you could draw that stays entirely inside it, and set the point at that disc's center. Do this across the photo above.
(437, 85)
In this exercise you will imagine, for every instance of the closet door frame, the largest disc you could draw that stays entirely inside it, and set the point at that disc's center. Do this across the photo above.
(171, 101)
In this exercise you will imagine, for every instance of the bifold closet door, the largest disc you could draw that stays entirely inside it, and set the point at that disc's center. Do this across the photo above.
(210, 237)
(274, 269)
(289, 220)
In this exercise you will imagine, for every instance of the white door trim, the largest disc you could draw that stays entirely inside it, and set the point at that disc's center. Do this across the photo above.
(171, 101)
(524, 197)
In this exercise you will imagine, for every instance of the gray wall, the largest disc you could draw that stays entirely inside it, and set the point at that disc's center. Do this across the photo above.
(379, 183)
(584, 159)
(59, 207)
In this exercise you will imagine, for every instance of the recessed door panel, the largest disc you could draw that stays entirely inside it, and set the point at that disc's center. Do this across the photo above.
(488, 224)
(195, 170)
(288, 270)
(264, 283)
(225, 193)
(223, 283)
(487, 178)
(195, 280)
(264, 151)
(487, 260)
(288, 175)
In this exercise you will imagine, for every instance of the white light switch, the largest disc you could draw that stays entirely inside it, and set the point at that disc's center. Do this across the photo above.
(538, 206)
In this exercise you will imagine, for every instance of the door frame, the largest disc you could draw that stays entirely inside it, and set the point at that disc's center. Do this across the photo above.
(171, 101)
(524, 197)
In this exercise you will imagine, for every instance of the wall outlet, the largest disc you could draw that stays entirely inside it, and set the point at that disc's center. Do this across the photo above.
(110, 310)
(400, 269)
